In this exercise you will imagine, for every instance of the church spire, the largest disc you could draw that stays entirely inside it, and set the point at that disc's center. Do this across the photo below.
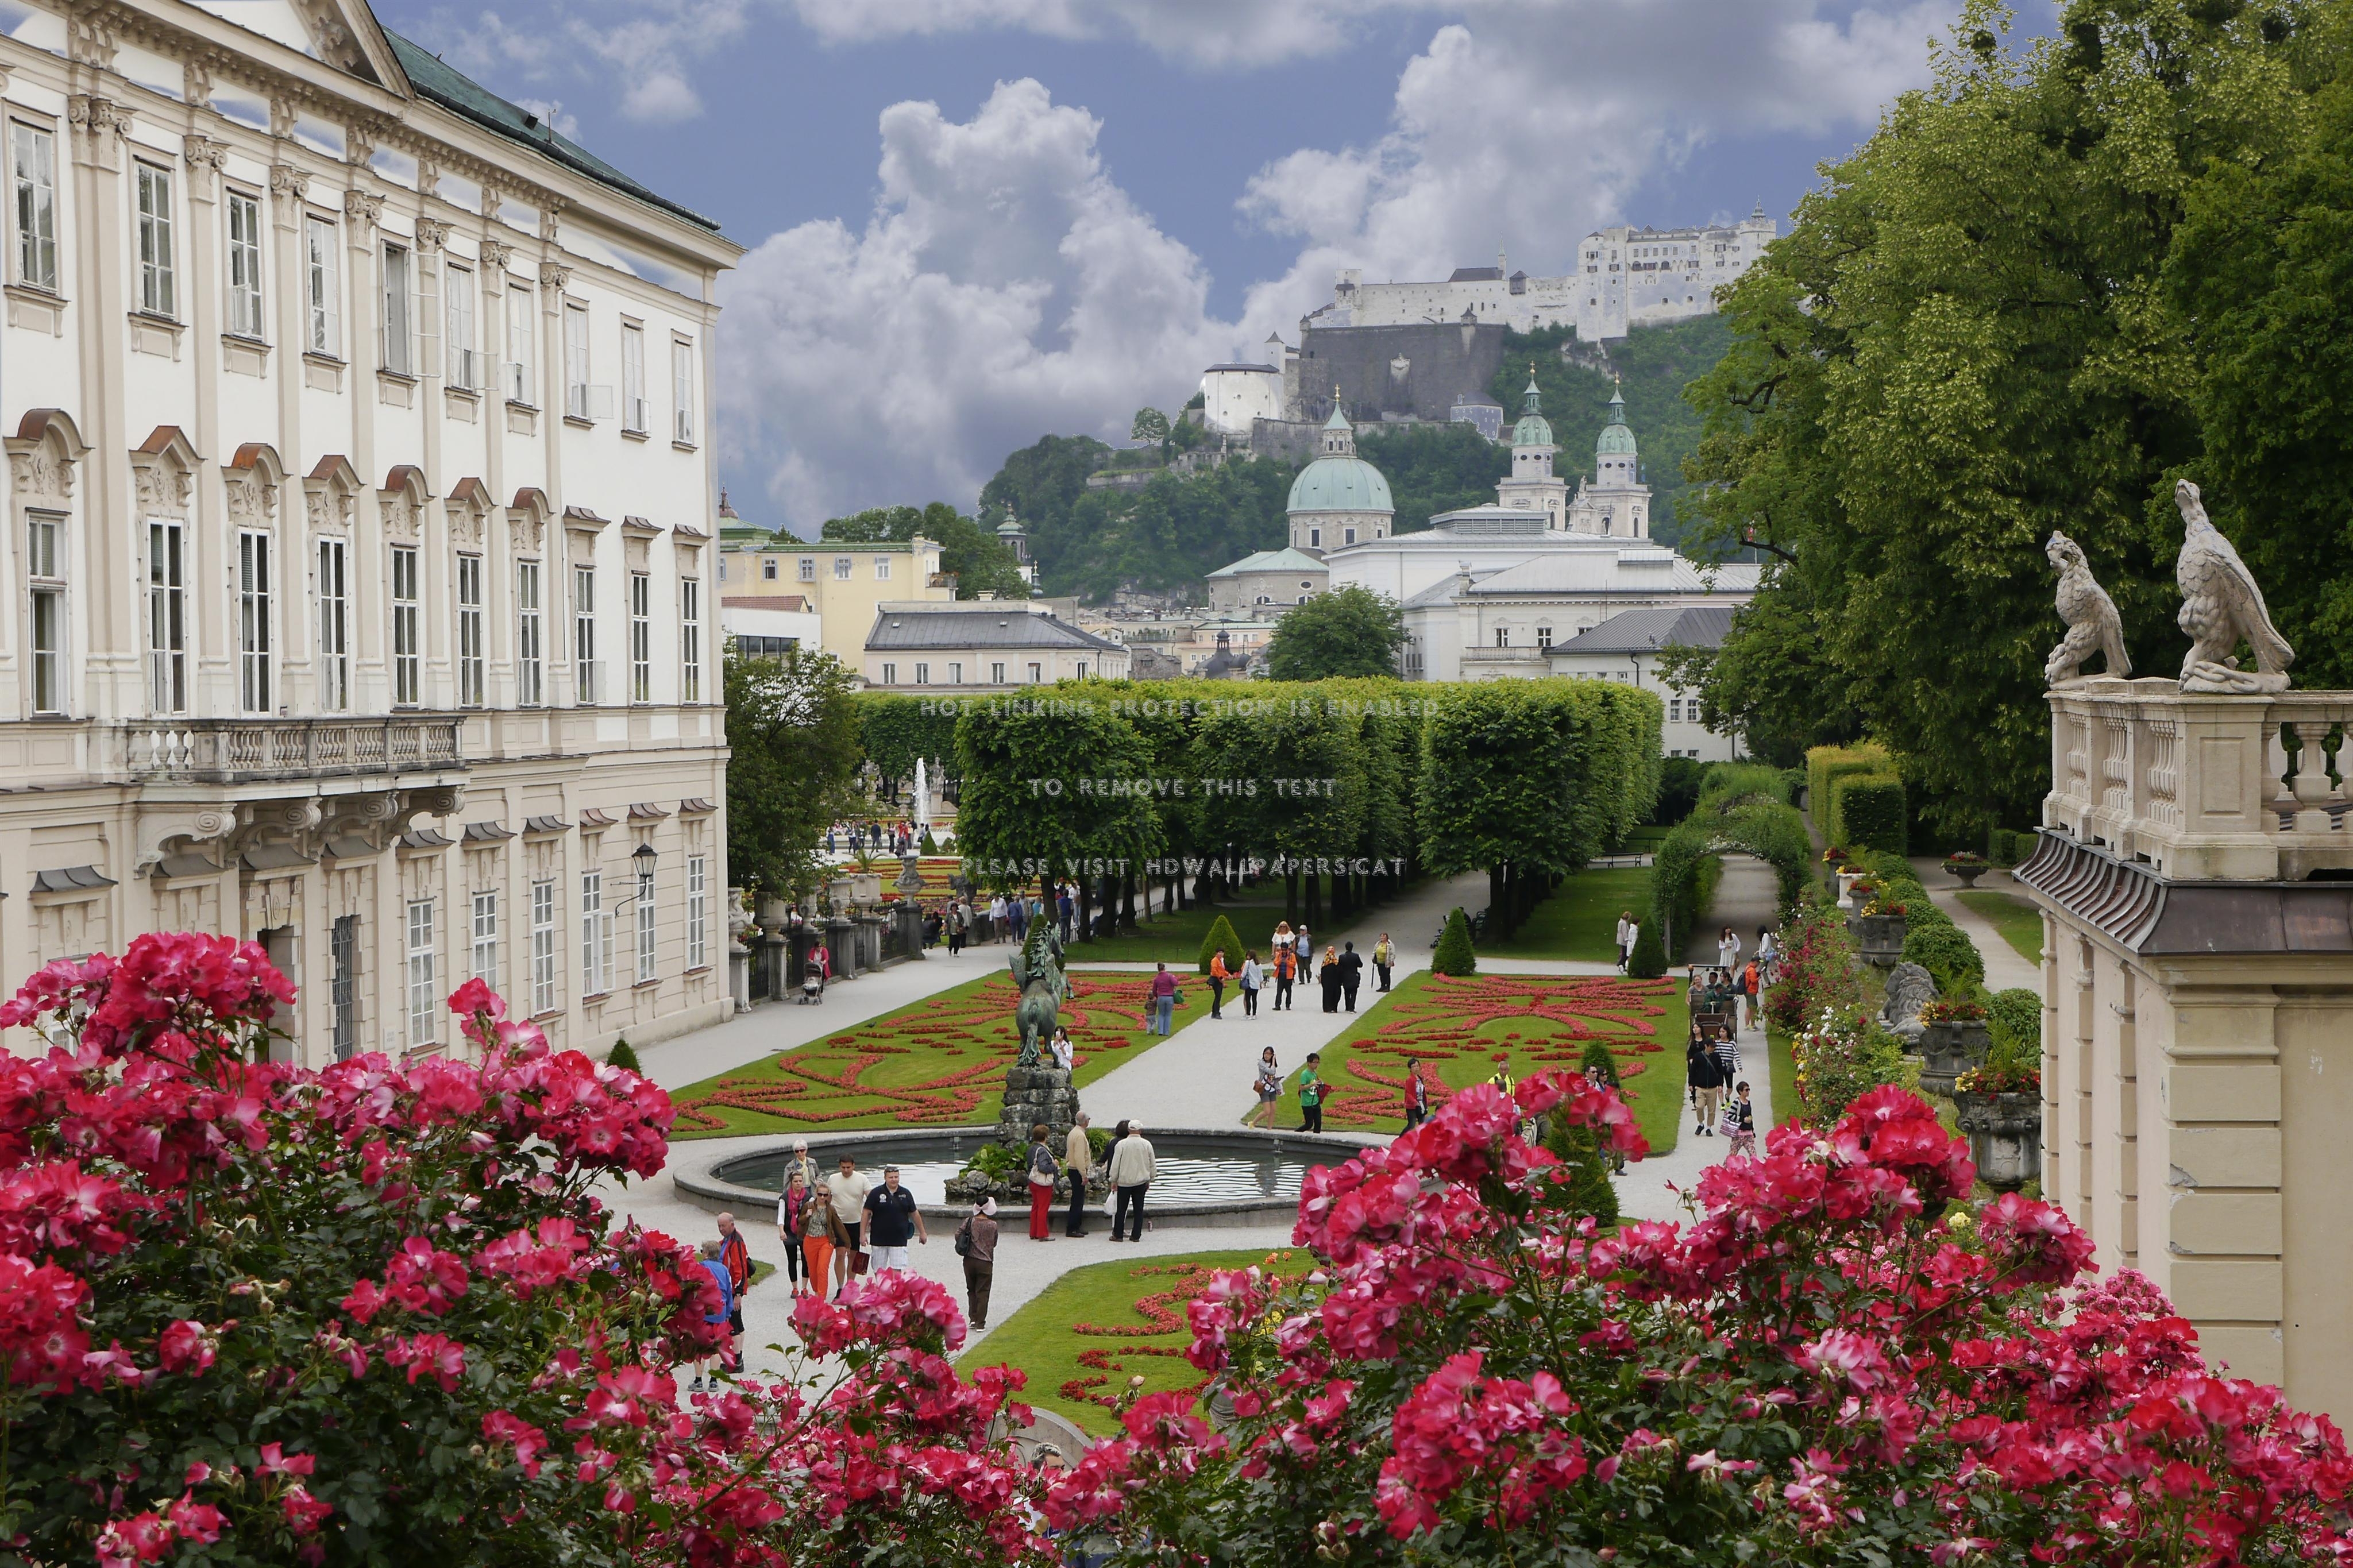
(1528, 403)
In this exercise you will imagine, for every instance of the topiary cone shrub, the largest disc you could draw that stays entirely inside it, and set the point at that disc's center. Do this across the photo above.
(1649, 960)
(621, 1055)
(927, 845)
(1454, 955)
(1221, 939)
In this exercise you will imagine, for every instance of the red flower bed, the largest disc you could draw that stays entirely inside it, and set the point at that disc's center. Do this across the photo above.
(1162, 1313)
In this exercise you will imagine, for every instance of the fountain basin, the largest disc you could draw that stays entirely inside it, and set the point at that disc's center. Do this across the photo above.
(1207, 1175)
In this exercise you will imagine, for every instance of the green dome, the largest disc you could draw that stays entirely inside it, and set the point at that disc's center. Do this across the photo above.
(1533, 430)
(1340, 484)
(1617, 440)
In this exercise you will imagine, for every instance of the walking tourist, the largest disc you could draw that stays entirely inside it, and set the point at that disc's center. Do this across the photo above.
(1065, 1056)
(1078, 1160)
(1750, 980)
(1286, 964)
(1162, 995)
(824, 1237)
(996, 917)
(1352, 972)
(802, 1164)
(1251, 978)
(736, 1253)
(958, 920)
(1045, 1176)
(1285, 939)
(1416, 1096)
(716, 1267)
(1769, 955)
(1218, 975)
(1131, 1170)
(1727, 948)
(1017, 915)
(890, 1213)
(1625, 939)
(1066, 908)
(1728, 1055)
(1306, 946)
(1269, 1085)
(1740, 1117)
(1626, 953)
(1310, 1094)
(849, 1189)
(1331, 982)
(1707, 1081)
(1383, 959)
(977, 1241)
(792, 1209)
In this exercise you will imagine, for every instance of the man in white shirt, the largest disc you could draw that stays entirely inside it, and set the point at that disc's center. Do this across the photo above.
(849, 1189)
(1131, 1170)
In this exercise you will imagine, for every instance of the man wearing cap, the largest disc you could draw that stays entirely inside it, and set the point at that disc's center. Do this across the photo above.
(890, 1217)
(1131, 1170)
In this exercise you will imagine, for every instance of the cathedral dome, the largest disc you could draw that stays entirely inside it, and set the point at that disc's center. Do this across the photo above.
(1340, 480)
(1615, 439)
(1534, 429)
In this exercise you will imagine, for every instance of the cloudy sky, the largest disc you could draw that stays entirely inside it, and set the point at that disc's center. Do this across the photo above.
(973, 222)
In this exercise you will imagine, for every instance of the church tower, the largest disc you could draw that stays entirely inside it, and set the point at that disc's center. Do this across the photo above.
(1532, 486)
(1338, 499)
(1616, 503)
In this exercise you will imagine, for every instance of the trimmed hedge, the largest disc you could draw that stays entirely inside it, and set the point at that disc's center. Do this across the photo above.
(1650, 959)
(2007, 847)
(1825, 765)
(1221, 937)
(1868, 812)
(1454, 955)
(2016, 1015)
(1931, 940)
(1741, 805)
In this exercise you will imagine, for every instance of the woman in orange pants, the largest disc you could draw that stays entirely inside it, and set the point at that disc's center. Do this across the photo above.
(821, 1232)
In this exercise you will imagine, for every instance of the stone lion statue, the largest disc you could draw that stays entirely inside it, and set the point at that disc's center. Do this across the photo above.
(1909, 989)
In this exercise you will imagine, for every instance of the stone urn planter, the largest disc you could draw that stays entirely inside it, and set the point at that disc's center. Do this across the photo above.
(1950, 1048)
(2005, 1136)
(1847, 879)
(1879, 939)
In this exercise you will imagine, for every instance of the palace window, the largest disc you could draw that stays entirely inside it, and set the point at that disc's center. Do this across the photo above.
(576, 361)
(459, 310)
(1543, 637)
(158, 276)
(641, 637)
(253, 641)
(698, 912)
(645, 930)
(323, 293)
(167, 617)
(519, 345)
(1503, 636)
(407, 645)
(634, 410)
(244, 265)
(890, 674)
(527, 667)
(596, 936)
(841, 568)
(33, 167)
(690, 639)
(681, 382)
(335, 626)
(583, 634)
(486, 939)
(542, 946)
(881, 568)
(424, 1004)
(997, 675)
(399, 355)
(470, 655)
(808, 569)
(46, 566)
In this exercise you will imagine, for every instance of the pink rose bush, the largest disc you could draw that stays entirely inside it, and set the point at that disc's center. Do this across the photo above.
(1833, 1362)
(375, 1314)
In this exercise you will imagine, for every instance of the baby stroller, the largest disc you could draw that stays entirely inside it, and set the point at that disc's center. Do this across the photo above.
(813, 976)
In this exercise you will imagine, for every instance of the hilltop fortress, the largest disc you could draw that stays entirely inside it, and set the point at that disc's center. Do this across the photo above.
(1426, 352)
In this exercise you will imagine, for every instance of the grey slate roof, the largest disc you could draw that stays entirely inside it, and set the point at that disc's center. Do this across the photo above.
(1644, 631)
(982, 626)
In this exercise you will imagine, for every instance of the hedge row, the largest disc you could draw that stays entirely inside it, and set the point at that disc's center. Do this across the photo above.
(1857, 797)
(1931, 940)
(1742, 805)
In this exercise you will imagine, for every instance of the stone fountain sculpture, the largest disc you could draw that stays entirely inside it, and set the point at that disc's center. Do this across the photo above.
(1036, 1088)
(2220, 604)
(2092, 624)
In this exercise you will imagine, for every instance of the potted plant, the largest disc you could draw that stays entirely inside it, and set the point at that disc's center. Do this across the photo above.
(1966, 866)
(1954, 1039)
(1879, 926)
(2000, 1109)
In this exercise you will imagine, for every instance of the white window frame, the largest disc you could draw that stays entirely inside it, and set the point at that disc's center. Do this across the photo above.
(33, 181)
(575, 361)
(690, 639)
(881, 568)
(997, 675)
(890, 674)
(530, 671)
(698, 911)
(522, 339)
(596, 937)
(923, 672)
(460, 364)
(636, 414)
(544, 967)
(641, 637)
(472, 659)
(584, 635)
(322, 286)
(46, 547)
(398, 345)
(407, 628)
(841, 568)
(647, 938)
(486, 938)
(424, 1010)
(244, 264)
(159, 280)
(334, 587)
(955, 672)
(681, 376)
(808, 569)
(256, 690)
(167, 614)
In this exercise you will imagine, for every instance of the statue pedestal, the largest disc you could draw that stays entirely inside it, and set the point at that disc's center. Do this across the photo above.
(1033, 1095)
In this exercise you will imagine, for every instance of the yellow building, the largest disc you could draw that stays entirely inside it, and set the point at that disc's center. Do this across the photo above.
(844, 584)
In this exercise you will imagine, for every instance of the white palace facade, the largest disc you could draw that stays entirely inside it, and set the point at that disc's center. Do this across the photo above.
(361, 584)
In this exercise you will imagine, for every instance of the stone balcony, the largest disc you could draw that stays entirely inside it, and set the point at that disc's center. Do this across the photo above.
(246, 751)
(1485, 663)
(2201, 787)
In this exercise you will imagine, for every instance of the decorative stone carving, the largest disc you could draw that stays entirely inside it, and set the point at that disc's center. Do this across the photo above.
(429, 177)
(286, 180)
(97, 115)
(91, 40)
(496, 256)
(1909, 989)
(491, 201)
(42, 464)
(204, 157)
(160, 833)
(550, 209)
(2220, 604)
(197, 82)
(359, 143)
(363, 206)
(431, 233)
(554, 276)
(163, 488)
(282, 113)
(252, 500)
(399, 516)
(2092, 624)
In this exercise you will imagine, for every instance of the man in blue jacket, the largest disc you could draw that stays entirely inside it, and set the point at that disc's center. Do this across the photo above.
(716, 1267)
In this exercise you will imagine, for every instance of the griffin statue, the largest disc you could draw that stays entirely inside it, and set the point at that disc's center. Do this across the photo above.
(2092, 624)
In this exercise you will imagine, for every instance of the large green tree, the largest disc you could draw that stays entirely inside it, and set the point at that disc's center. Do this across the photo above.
(968, 552)
(1049, 791)
(792, 732)
(1350, 631)
(1963, 345)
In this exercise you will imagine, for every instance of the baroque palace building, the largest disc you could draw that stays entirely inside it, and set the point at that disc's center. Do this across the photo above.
(360, 579)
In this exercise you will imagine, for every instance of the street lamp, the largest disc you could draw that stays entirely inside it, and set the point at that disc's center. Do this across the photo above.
(644, 858)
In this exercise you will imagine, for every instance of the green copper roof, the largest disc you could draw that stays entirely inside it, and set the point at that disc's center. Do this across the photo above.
(1615, 440)
(1340, 484)
(1534, 429)
(437, 83)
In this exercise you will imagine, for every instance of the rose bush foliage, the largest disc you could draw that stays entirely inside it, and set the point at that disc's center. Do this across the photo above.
(255, 1313)
(1831, 1362)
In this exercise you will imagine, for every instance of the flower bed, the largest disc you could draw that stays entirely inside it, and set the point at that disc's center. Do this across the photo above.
(1461, 1029)
(935, 873)
(938, 1063)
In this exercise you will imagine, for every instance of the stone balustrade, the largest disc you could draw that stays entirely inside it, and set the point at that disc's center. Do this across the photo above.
(233, 751)
(2203, 787)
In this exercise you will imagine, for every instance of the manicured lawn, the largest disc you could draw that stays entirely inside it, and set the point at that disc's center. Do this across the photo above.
(939, 1062)
(1462, 1030)
(1784, 1064)
(2020, 922)
(1580, 921)
(1088, 1333)
(1178, 938)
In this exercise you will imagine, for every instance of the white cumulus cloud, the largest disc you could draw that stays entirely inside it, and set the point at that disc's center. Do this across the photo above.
(648, 50)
